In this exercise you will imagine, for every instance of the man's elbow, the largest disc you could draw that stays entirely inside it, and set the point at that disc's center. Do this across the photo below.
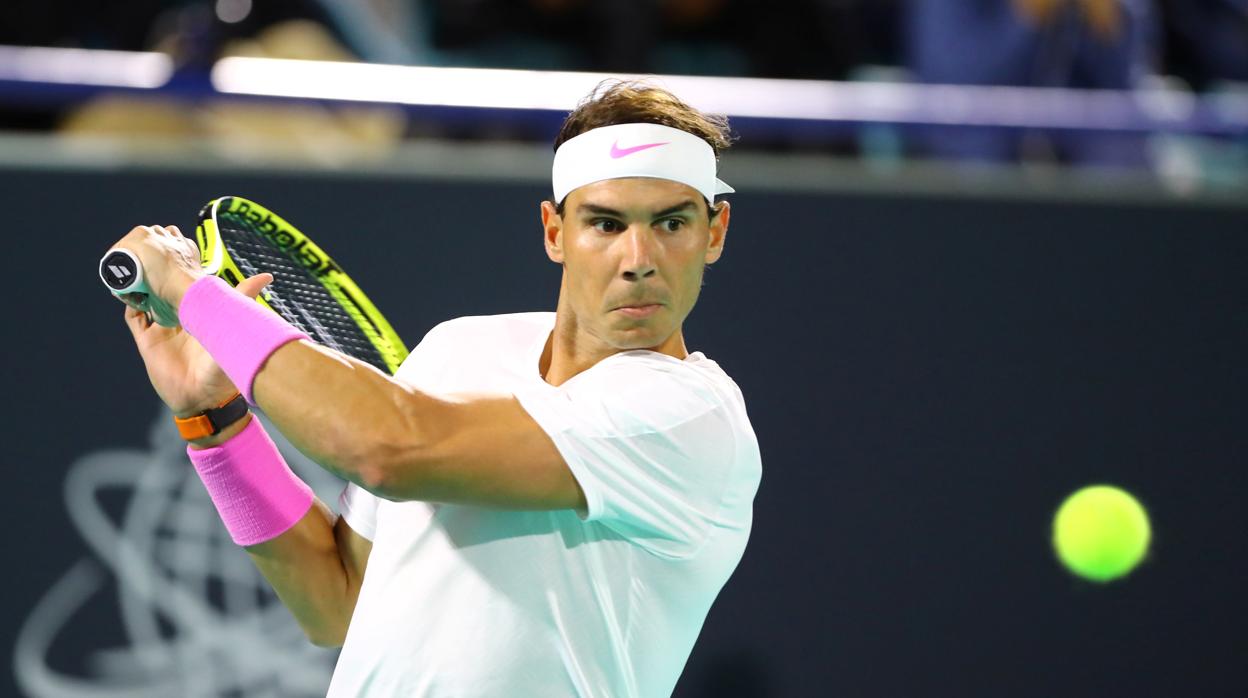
(326, 639)
(328, 630)
(395, 460)
(392, 470)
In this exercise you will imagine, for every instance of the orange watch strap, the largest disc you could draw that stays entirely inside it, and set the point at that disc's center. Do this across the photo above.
(196, 427)
(212, 421)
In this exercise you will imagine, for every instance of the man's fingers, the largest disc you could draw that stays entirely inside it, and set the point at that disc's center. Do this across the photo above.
(251, 287)
(136, 320)
(169, 231)
(138, 231)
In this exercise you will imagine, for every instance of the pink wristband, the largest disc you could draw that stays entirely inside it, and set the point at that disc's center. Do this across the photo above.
(238, 332)
(255, 492)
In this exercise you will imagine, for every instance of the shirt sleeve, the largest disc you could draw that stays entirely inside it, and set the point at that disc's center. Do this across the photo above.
(359, 508)
(651, 447)
(425, 360)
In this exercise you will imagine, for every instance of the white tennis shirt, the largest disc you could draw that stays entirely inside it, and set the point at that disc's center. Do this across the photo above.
(469, 602)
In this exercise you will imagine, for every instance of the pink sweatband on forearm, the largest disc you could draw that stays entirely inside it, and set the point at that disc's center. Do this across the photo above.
(255, 492)
(238, 332)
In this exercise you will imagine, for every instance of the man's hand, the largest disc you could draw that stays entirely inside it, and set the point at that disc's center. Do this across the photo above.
(185, 377)
(170, 265)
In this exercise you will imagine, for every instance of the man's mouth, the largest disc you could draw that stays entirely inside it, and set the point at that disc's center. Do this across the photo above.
(639, 310)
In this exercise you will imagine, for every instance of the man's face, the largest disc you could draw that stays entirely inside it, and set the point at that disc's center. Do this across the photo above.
(633, 252)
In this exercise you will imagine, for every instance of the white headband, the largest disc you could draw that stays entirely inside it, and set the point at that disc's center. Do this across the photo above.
(636, 150)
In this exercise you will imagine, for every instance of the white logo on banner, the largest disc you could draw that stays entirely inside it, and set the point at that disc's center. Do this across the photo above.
(198, 617)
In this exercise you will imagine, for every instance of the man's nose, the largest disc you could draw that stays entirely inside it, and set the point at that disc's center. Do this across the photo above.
(639, 254)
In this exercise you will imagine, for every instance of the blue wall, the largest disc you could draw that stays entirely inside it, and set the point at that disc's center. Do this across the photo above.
(928, 378)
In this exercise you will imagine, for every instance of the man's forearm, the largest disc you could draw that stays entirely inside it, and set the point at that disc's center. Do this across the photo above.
(394, 441)
(314, 563)
(311, 575)
(343, 413)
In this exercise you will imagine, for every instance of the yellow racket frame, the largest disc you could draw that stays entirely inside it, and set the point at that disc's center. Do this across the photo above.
(216, 260)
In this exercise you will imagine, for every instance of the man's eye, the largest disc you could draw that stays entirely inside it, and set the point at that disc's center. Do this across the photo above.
(672, 225)
(607, 225)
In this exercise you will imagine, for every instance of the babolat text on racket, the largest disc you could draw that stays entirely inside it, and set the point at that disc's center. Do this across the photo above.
(238, 239)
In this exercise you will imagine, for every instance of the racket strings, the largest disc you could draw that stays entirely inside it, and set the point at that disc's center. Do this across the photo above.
(297, 294)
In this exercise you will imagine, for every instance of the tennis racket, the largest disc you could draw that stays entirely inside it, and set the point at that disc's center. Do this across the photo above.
(237, 239)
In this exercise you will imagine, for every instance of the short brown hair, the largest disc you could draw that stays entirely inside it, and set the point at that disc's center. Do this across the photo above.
(635, 102)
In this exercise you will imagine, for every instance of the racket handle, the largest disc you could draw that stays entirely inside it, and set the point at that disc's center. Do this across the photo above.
(122, 273)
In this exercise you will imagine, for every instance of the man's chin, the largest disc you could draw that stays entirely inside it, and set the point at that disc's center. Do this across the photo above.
(640, 337)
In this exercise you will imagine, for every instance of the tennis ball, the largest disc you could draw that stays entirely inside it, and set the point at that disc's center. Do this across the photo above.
(1101, 533)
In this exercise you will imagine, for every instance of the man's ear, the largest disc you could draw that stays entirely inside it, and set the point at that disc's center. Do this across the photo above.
(552, 229)
(719, 231)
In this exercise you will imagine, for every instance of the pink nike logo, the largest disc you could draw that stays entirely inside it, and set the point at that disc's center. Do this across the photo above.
(617, 152)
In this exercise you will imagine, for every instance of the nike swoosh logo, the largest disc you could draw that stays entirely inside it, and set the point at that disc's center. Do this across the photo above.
(617, 152)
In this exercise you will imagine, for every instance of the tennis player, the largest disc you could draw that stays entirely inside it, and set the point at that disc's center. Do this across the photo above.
(540, 504)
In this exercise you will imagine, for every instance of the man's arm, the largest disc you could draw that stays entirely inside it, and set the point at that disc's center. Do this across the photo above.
(402, 444)
(316, 569)
(316, 566)
(394, 441)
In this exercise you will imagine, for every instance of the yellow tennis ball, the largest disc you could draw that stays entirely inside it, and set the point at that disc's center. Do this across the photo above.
(1101, 533)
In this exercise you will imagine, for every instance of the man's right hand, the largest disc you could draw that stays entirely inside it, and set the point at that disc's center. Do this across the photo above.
(184, 375)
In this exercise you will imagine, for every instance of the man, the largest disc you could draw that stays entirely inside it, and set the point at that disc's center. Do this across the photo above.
(546, 503)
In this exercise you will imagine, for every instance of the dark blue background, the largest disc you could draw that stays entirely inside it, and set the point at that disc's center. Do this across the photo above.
(928, 378)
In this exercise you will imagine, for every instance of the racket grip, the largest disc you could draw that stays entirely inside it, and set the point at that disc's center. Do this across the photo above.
(122, 273)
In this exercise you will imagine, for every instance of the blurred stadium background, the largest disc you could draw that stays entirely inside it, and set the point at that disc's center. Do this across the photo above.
(983, 252)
